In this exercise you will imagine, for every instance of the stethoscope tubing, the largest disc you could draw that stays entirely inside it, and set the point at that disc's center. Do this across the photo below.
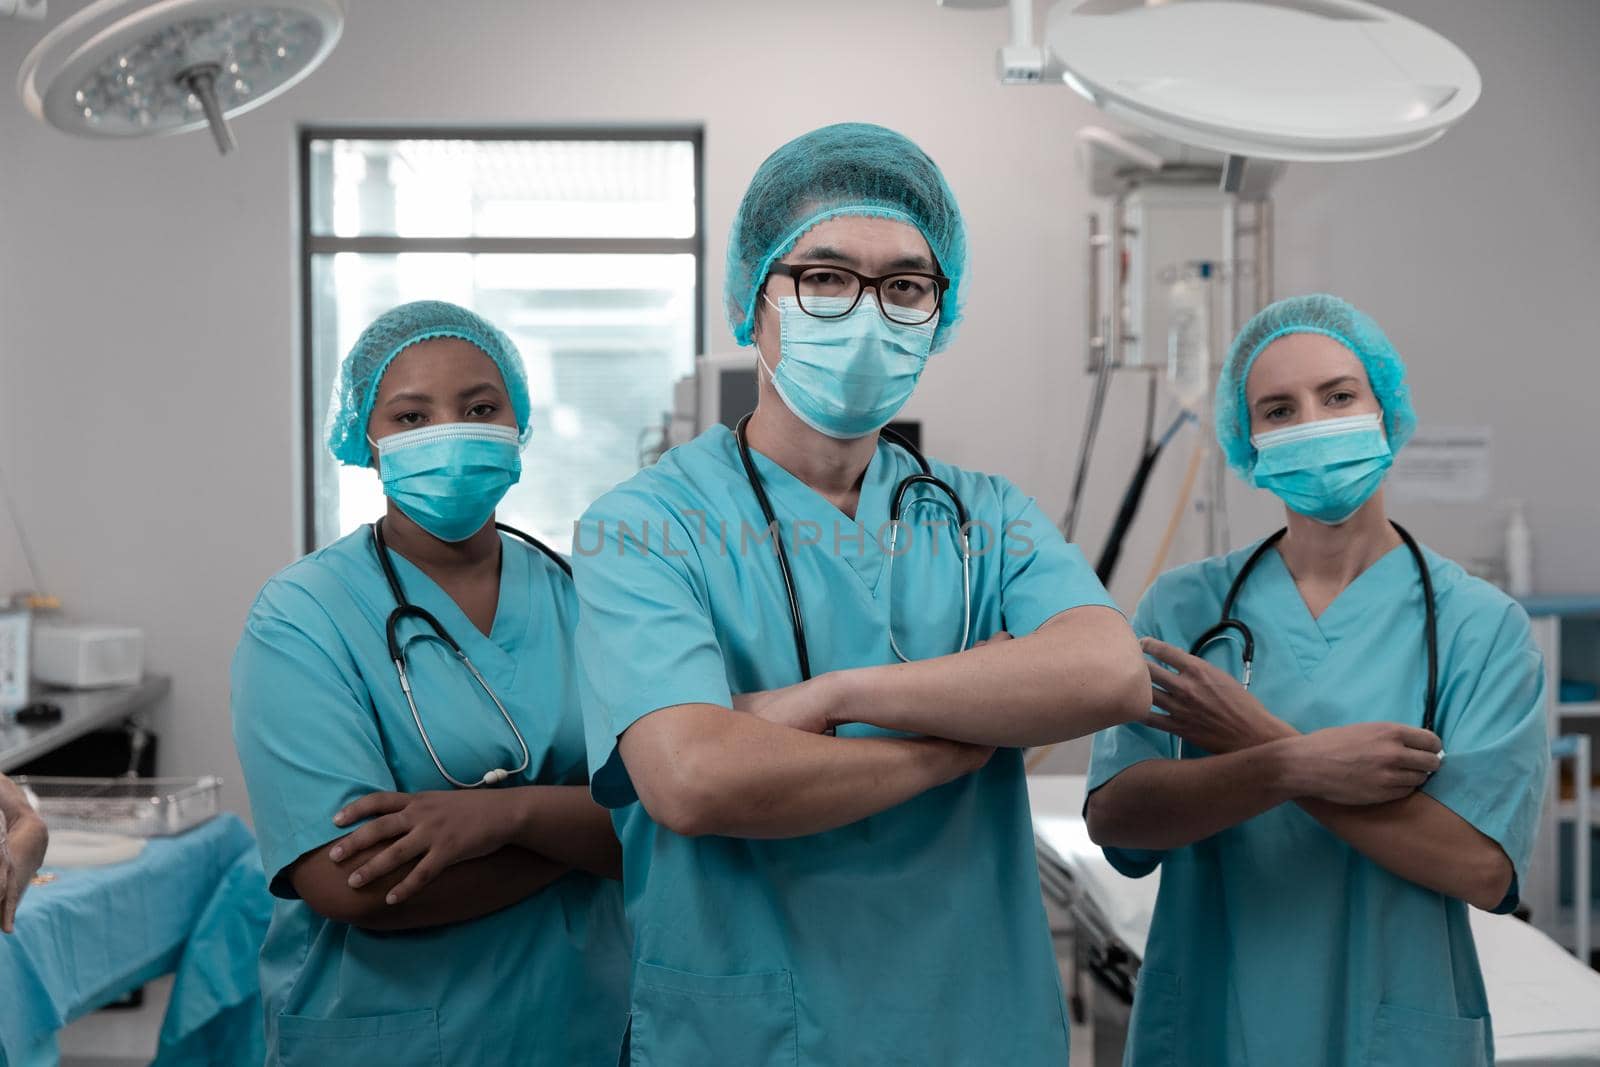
(1230, 625)
(403, 610)
(924, 476)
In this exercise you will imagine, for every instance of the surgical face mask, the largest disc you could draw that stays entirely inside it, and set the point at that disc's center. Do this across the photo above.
(846, 377)
(450, 478)
(1324, 470)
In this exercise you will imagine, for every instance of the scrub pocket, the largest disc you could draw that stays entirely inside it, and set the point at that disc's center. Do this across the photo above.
(1403, 1037)
(405, 1039)
(1155, 1023)
(692, 1020)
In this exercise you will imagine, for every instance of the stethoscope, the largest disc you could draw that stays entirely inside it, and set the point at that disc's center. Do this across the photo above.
(404, 609)
(1229, 625)
(924, 477)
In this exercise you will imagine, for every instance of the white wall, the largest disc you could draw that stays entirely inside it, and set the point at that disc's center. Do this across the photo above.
(148, 337)
(1481, 257)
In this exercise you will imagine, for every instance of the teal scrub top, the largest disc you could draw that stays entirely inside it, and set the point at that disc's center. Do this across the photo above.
(319, 719)
(915, 936)
(1274, 942)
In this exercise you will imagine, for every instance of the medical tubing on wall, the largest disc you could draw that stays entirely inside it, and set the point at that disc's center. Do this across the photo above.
(1091, 429)
(1196, 460)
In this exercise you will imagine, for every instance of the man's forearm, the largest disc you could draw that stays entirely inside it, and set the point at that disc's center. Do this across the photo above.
(1165, 803)
(1079, 673)
(708, 770)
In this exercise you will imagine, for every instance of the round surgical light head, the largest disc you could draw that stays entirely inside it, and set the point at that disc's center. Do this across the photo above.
(124, 68)
(1292, 80)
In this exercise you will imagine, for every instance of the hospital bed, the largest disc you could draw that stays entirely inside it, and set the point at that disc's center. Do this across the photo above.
(1545, 1004)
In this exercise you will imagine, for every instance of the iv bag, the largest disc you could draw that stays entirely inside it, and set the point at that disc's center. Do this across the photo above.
(1189, 339)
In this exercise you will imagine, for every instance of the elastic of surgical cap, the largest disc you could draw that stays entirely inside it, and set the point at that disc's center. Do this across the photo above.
(1329, 316)
(390, 334)
(850, 169)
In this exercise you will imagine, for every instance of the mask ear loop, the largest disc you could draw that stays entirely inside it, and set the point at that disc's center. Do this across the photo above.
(760, 359)
(762, 363)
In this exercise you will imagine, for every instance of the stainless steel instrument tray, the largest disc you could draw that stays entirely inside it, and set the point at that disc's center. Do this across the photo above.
(143, 807)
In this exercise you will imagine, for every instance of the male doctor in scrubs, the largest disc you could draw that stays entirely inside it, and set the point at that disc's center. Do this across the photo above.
(840, 869)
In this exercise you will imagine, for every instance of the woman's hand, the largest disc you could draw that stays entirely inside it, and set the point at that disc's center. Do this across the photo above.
(1365, 763)
(22, 848)
(436, 829)
(1204, 705)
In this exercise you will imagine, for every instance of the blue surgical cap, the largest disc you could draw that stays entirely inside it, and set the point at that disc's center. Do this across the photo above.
(1331, 317)
(392, 333)
(852, 168)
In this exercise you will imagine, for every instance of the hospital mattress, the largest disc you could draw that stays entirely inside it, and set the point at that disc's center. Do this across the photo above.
(1545, 1004)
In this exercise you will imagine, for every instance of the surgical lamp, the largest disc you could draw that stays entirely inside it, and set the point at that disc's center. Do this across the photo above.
(1293, 80)
(126, 68)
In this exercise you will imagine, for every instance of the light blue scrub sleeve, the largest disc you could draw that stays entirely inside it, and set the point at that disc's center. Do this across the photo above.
(307, 739)
(1117, 749)
(1497, 749)
(645, 639)
(1041, 575)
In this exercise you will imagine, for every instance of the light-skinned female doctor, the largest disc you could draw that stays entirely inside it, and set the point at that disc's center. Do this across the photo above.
(1319, 846)
(445, 884)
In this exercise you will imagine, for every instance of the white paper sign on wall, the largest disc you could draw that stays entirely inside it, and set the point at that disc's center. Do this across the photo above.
(1446, 464)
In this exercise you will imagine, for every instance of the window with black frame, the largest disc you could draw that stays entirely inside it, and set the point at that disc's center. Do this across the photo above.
(583, 246)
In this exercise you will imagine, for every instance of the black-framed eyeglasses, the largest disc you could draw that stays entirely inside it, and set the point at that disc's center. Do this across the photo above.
(909, 298)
